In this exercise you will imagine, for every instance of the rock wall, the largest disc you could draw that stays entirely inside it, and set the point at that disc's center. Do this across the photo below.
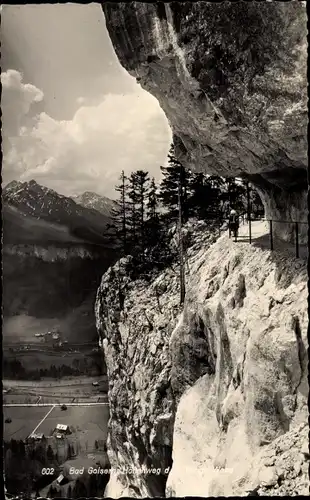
(207, 394)
(232, 80)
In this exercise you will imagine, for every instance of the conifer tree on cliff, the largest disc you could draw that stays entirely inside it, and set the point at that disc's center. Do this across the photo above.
(152, 201)
(137, 195)
(118, 227)
(204, 201)
(257, 207)
(152, 222)
(233, 196)
(175, 178)
(181, 251)
(159, 251)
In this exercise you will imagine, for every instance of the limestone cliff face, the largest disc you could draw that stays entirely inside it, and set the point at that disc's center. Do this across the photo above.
(231, 78)
(213, 396)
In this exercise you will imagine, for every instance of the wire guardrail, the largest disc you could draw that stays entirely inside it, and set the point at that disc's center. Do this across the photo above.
(293, 229)
(222, 225)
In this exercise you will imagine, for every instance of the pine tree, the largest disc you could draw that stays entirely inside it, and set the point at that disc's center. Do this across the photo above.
(256, 205)
(152, 201)
(21, 449)
(118, 227)
(50, 454)
(235, 195)
(137, 195)
(198, 200)
(79, 489)
(132, 212)
(159, 252)
(205, 198)
(152, 226)
(181, 252)
(92, 486)
(173, 175)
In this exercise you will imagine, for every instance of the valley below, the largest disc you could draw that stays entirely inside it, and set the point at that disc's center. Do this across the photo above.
(54, 373)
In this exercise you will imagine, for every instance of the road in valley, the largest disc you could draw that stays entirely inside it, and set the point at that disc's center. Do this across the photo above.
(34, 430)
(77, 390)
(23, 405)
(76, 381)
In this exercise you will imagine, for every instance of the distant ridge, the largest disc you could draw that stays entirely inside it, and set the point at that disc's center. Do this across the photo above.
(95, 201)
(34, 201)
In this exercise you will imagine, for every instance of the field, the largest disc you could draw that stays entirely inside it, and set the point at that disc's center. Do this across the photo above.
(76, 345)
(84, 445)
(24, 420)
(65, 390)
(45, 358)
(88, 423)
(76, 326)
(21, 329)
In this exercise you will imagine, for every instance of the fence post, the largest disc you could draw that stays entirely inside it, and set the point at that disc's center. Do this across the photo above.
(296, 240)
(250, 230)
(271, 235)
(249, 210)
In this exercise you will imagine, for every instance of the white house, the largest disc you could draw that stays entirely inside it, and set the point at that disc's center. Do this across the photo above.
(60, 478)
(37, 436)
(62, 428)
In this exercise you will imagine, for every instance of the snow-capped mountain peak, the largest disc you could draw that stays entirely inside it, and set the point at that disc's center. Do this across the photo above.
(95, 201)
(39, 202)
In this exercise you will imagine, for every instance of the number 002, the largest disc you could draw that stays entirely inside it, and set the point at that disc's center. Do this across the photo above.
(47, 471)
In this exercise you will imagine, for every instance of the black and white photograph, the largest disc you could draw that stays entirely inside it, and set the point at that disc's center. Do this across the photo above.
(154, 249)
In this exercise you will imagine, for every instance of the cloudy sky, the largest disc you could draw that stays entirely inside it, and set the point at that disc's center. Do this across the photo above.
(72, 116)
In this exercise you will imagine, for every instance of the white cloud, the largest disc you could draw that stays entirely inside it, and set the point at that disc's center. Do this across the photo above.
(80, 101)
(16, 101)
(123, 132)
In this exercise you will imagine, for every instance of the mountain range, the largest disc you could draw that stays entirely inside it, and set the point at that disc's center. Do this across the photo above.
(31, 211)
(54, 253)
(95, 201)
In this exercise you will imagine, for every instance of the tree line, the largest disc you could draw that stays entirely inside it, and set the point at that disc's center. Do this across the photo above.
(86, 486)
(91, 365)
(24, 461)
(144, 211)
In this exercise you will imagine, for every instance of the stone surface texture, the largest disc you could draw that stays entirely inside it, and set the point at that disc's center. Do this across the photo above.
(232, 80)
(215, 392)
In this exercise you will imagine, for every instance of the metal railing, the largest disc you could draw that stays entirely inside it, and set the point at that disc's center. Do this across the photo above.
(293, 229)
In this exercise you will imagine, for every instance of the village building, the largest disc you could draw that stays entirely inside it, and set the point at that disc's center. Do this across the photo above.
(38, 436)
(62, 429)
(61, 479)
